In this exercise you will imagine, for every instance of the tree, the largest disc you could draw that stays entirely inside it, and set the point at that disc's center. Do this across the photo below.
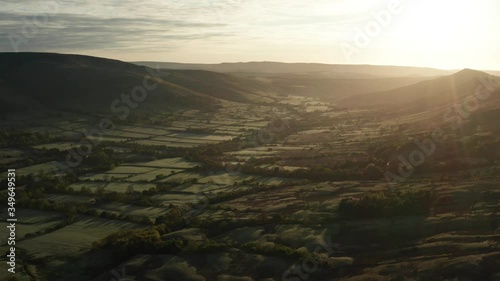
(130, 189)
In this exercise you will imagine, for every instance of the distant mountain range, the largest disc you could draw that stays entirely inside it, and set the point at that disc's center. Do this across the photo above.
(32, 81)
(326, 81)
(331, 70)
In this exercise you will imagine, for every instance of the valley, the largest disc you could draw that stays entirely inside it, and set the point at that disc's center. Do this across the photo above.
(231, 176)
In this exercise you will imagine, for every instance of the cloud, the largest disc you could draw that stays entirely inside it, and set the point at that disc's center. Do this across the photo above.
(77, 32)
(127, 25)
(237, 30)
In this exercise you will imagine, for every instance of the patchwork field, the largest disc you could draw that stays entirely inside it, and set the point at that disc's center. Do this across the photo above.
(73, 239)
(228, 195)
(48, 167)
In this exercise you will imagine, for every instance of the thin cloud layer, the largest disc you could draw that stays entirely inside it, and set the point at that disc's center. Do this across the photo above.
(244, 30)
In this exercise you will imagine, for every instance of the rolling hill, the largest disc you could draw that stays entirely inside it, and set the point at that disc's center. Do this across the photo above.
(332, 70)
(319, 85)
(31, 81)
(325, 81)
(88, 84)
(427, 94)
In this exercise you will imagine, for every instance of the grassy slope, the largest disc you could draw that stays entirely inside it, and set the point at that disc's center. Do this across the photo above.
(74, 82)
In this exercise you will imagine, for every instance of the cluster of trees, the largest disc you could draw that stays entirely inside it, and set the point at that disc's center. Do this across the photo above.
(206, 154)
(99, 159)
(130, 198)
(388, 204)
(154, 151)
(320, 173)
(282, 251)
(275, 250)
(72, 209)
(14, 138)
(126, 243)
(102, 158)
(33, 197)
(448, 156)
(49, 184)
(67, 221)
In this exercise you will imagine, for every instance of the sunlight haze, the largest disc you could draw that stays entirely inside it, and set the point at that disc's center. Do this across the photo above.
(442, 34)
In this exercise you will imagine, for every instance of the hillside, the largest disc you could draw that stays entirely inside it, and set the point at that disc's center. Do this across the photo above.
(320, 85)
(252, 189)
(324, 81)
(493, 72)
(425, 95)
(333, 70)
(88, 84)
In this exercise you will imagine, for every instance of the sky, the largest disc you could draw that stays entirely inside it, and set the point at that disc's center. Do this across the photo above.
(448, 34)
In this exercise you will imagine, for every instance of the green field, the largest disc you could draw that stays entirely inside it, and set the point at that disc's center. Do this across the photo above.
(73, 239)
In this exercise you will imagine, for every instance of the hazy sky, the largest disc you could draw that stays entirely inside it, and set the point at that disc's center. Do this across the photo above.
(436, 33)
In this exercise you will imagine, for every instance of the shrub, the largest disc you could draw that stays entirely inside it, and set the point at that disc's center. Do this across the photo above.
(382, 204)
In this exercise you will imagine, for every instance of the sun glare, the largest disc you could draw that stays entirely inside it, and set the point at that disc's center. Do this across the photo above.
(446, 23)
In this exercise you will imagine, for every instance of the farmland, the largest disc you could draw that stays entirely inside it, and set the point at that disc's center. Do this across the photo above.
(236, 194)
(246, 176)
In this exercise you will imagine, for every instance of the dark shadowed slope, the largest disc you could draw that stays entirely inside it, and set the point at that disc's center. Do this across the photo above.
(89, 84)
(86, 84)
(225, 86)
